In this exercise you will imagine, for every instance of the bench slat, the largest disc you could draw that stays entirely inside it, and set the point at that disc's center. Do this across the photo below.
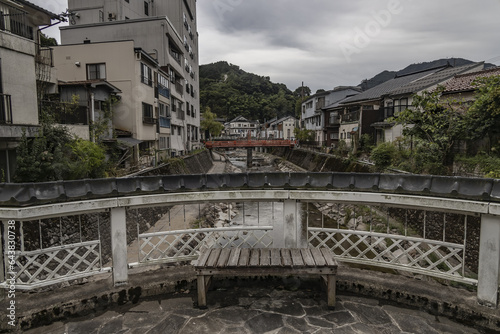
(327, 254)
(286, 258)
(297, 258)
(234, 256)
(244, 257)
(265, 257)
(275, 257)
(214, 256)
(202, 259)
(318, 257)
(254, 258)
(308, 259)
(223, 258)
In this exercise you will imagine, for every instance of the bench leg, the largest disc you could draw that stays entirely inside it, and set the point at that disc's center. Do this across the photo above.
(330, 288)
(202, 292)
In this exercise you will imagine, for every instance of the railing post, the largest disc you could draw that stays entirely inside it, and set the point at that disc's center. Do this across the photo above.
(295, 235)
(119, 246)
(489, 261)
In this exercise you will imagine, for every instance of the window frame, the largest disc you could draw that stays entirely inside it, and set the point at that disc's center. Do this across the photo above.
(100, 71)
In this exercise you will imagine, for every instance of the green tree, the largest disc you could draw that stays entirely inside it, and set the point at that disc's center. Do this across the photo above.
(304, 135)
(209, 123)
(46, 41)
(483, 116)
(88, 160)
(438, 125)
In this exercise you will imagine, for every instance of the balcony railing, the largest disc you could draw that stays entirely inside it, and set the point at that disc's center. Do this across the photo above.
(148, 120)
(164, 91)
(350, 117)
(5, 109)
(44, 56)
(164, 122)
(181, 115)
(16, 22)
(176, 56)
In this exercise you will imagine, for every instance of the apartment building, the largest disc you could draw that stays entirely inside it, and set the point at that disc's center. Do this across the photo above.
(164, 30)
(23, 64)
(144, 108)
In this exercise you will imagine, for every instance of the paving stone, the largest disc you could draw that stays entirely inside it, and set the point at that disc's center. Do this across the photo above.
(319, 322)
(233, 315)
(85, 327)
(265, 322)
(287, 330)
(317, 311)
(204, 325)
(113, 325)
(368, 314)
(142, 319)
(361, 328)
(170, 325)
(340, 318)
(234, 330)
(287, 307)
(55, 328)
(148, 306)
(299, 324)
(413, 324)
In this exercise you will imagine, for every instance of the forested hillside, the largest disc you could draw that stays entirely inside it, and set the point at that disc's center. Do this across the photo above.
(229, 92)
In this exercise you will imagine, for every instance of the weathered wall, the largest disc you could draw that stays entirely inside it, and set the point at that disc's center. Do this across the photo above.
(319, 162)
(199, 163)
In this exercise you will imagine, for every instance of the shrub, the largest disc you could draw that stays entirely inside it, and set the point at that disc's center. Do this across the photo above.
(383, 155)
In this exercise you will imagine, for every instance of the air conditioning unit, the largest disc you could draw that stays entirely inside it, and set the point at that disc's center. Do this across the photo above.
(111, 16)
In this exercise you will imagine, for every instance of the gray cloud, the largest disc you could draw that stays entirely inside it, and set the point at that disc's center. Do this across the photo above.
(293, 41)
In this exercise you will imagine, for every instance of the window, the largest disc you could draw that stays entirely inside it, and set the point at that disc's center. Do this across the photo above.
(127, 0)
(101, 16)
(164, 143)
(163, 85)
(187, 108)
(164, 116)
(146, 8)
(146, 76)
(96, 71)
(192, 111)
(147, 113)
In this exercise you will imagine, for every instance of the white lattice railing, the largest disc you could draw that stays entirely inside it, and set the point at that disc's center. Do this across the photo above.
(185, 245)
(422, 256)
(57, 264)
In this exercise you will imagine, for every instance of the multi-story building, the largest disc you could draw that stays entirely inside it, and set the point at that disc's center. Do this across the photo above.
(240, 127)
(166, 31)
(282, 128)
(23, 64)
(144, 108)
(313, 116)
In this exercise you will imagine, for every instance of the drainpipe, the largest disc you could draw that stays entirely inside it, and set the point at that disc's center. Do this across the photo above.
(92, 116)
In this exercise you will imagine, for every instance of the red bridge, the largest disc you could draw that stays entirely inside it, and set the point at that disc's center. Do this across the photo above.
(250, 143)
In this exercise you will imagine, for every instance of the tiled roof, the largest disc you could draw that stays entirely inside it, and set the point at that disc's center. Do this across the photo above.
(434, 79)
(465, 82)
(385, 88)
(49, 13)
(28, 194)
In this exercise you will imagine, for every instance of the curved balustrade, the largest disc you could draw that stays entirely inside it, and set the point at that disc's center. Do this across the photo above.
(373, 193)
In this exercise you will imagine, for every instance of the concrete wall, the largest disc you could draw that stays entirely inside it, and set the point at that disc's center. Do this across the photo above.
(19, 77)
(199, 163)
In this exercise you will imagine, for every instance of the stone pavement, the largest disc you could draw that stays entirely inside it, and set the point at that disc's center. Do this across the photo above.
(254, 309)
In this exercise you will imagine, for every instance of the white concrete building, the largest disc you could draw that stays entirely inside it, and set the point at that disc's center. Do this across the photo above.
(22, 63)
(167, 32)
(240, 127)
(282, 128)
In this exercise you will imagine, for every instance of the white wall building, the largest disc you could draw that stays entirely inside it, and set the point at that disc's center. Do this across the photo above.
(167, 32)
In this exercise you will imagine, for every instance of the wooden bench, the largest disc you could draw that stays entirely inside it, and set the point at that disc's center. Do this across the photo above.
(265, 261)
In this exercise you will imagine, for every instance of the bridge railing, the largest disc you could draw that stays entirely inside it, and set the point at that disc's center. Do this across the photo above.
(447, 228)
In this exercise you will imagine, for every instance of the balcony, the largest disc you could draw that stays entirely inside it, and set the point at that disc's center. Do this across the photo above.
(16, 22)
(350, 117)
(148, 120)
(163, 91)
(44, 56)
(176, 56)
(181, 115)
(5, 109)
(179, 87)
(164, 122)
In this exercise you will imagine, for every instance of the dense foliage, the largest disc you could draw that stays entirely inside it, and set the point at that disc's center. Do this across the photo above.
(230, 92)
(210, 124)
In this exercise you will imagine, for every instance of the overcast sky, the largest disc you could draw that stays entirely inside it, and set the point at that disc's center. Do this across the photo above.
(327, 43)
